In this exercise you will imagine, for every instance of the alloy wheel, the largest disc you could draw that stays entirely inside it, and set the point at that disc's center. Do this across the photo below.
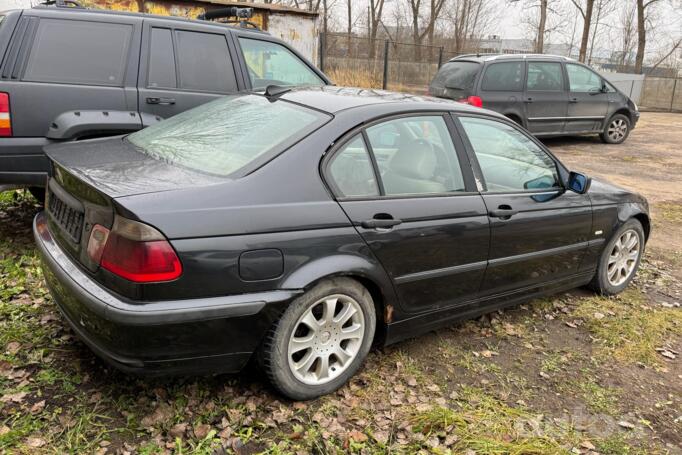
(326, 339)
(623, 257)
(617, 129)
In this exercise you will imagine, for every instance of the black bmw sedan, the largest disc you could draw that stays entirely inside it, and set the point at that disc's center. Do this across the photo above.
(300, 226)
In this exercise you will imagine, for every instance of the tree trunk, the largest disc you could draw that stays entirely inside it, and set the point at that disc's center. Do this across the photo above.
(540, 41)
(587, 22)
(594, 31)
(641, 37)
(350, 28)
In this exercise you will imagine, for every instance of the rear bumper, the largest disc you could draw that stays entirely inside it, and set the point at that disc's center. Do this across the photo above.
(159, 338)
(22, 161)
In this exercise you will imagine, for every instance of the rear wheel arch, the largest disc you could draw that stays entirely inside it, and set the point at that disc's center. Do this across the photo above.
(515, 118)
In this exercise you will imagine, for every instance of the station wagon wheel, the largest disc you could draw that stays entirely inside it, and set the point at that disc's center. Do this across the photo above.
(620, 259)
(326, 339)
(616, 130)
(321, 339)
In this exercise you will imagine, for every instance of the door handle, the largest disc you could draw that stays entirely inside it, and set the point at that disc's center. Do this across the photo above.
(380, 221)
(157, 100)
(503, 212)
(573, 100)
(528, 100)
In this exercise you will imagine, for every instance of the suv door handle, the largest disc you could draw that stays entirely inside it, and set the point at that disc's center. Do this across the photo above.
(156, 100)
(528, 100)
(381, 221)
(573, 100)
(504, 212)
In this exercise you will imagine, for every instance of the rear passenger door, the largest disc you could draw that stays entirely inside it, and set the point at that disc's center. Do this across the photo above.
(545, 98)
(184, 65)
(502, 87)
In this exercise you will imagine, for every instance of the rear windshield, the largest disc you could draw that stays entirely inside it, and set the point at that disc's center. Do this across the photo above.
(455, 79)
(224, 136)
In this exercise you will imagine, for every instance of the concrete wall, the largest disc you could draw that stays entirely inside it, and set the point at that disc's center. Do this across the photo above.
(630, 84)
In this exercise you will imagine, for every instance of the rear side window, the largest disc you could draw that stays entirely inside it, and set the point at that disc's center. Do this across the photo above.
(225, 135)
(271, 63)
(204, 62)
(455, 79)
(161, 59)
(507, 77)
(545, 76)
(79, 52)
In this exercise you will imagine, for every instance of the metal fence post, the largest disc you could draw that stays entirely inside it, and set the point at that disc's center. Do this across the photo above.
(440, 57)
(385, 81)
(323, 50)
(672, 97)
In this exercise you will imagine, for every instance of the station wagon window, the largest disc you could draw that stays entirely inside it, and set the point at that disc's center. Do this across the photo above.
(507, 77)
(59, 46)
(204, 62)
(228, 134)
(509, 160)
(415, 155)
(544, 76)
(582, 79)
(352, 172)
(161, 59)
(271, 63)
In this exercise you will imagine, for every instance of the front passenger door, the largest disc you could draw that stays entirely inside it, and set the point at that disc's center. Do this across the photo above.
(588, 101)
(538, 230)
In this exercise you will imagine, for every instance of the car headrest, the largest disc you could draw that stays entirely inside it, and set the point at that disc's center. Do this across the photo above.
(414, 159)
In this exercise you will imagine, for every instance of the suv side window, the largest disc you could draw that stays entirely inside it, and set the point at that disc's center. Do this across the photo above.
(161, 59)
(509, 160)
(204, 62)
(351, 170)
(505, 77)
(545, 76)
(59, 47)
(271, 63)
(583, 80)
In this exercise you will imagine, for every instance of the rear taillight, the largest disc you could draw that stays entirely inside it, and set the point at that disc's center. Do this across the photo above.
(472, 100)
(134, 251)
(5, 119)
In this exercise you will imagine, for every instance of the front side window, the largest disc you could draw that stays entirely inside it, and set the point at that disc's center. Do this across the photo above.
(415, 155)
(225, 135)
(506, 77)
(582, 79)
(352, 172)
(79, 52)
(204, 62)
(271, 63)
(544, 76)
(509, 160)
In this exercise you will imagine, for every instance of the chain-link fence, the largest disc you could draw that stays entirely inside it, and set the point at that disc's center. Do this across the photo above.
(362, 62)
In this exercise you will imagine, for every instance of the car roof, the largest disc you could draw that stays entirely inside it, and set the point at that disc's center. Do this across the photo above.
(334, 99)
(71, 10)
(482, 58)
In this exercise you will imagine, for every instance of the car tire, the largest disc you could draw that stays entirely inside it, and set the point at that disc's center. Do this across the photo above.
(620, 259)
(294, 351)
(617, 129)
(38, 193)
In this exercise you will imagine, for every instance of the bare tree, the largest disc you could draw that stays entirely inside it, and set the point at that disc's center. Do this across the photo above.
(542, 25)
(642, 14)
(469, 19)
(628, 30)
(586, 13)
(376, 9)
(418, 34)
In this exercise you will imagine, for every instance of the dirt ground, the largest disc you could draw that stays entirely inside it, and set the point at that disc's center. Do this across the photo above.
(573, 373)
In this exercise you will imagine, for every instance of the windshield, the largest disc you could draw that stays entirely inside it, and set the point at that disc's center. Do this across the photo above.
(455, 80)
(223, 136)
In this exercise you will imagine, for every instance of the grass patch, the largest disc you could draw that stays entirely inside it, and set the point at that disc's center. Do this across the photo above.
(600, 399)
(627, 329)
(669, 211)
(485, 424)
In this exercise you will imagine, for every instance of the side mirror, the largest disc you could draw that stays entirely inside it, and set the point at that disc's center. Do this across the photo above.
(579, 183)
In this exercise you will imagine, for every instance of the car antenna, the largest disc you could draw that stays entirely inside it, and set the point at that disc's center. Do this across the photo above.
(273, 92)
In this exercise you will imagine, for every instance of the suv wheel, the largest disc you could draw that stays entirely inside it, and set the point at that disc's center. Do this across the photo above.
(620, 259)
(617, 129)
(321, 339)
